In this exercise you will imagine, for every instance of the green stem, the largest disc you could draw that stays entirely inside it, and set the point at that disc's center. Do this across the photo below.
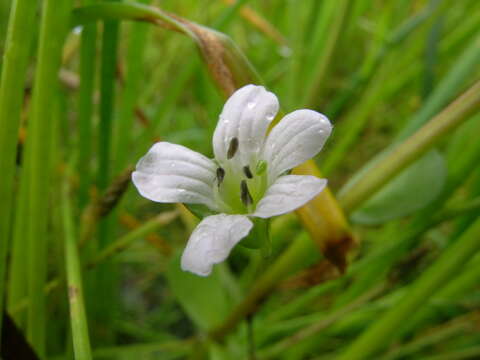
(447, 265)
(325, 322)
(126, 240)
(335, 30)
(85, 109)
(52, 33)
(131, 90)
(17, 48)
(410, 150)
(114, 248)
(78, 318)
(106, 279)
(291, 259)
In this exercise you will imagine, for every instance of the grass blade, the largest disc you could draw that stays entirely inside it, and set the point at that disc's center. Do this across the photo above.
(53, 29)
(78, 318)
(452, 260)
(19, 38)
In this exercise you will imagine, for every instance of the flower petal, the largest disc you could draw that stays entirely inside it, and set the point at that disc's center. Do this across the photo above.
(288, 193)
(173, 173)
(212, 241)
(298, 137)
(245, 116)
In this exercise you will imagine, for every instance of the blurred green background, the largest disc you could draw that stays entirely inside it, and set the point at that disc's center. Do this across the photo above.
(88, 98)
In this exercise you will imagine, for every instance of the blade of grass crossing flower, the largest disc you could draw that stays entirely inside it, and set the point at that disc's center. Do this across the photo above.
(54, 25)
(447, 265)
(78, 318)
(15, 58)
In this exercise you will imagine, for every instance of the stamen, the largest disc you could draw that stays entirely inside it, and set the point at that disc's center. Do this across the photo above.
(232, 148)
(220, 175)
(245, 194)
(247, 172)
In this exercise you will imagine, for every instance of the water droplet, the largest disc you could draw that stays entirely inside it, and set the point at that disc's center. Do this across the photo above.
(172, 164)
(270, 116)
(226, 121)
(324, 120)
(251, 105)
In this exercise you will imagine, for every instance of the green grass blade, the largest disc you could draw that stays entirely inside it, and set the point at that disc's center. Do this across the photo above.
(85, 109)
(132, 88)
(452, 260)
(78, 318)
(315, 89)
(53, 29)
(411, 149)
(14, 67)
(447, 89)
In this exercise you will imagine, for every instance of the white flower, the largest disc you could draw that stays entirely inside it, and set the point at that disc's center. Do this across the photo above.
(246, 179)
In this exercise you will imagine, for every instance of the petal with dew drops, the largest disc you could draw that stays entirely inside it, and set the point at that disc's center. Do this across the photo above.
(298, 137)
(245, 117)
(288, 193)
(173, 173)
(212, 240)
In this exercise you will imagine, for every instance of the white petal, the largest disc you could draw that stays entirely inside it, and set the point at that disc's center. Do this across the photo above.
(245, 116)
(173, 173)
(298, 137)
(212, 241)
(288, 193)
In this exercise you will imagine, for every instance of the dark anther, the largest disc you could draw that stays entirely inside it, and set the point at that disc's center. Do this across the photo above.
(232, 148)
(245, 194)
(247, 172)
(220, 175)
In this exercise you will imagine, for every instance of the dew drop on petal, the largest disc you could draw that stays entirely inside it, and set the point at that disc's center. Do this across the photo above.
(251, 105)
(270, 116)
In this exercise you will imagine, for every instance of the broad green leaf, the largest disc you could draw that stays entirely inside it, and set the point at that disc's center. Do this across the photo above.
(203, 298)
(410, 191)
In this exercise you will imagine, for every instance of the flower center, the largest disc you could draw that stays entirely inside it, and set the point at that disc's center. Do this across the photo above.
(239, 187)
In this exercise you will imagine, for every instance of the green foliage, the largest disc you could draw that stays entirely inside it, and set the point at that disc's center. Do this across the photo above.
(413, 189)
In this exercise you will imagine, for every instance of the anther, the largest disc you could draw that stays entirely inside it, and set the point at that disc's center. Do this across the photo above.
(247, 172)
(245, 194)
(232, 148)
(220, 175)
